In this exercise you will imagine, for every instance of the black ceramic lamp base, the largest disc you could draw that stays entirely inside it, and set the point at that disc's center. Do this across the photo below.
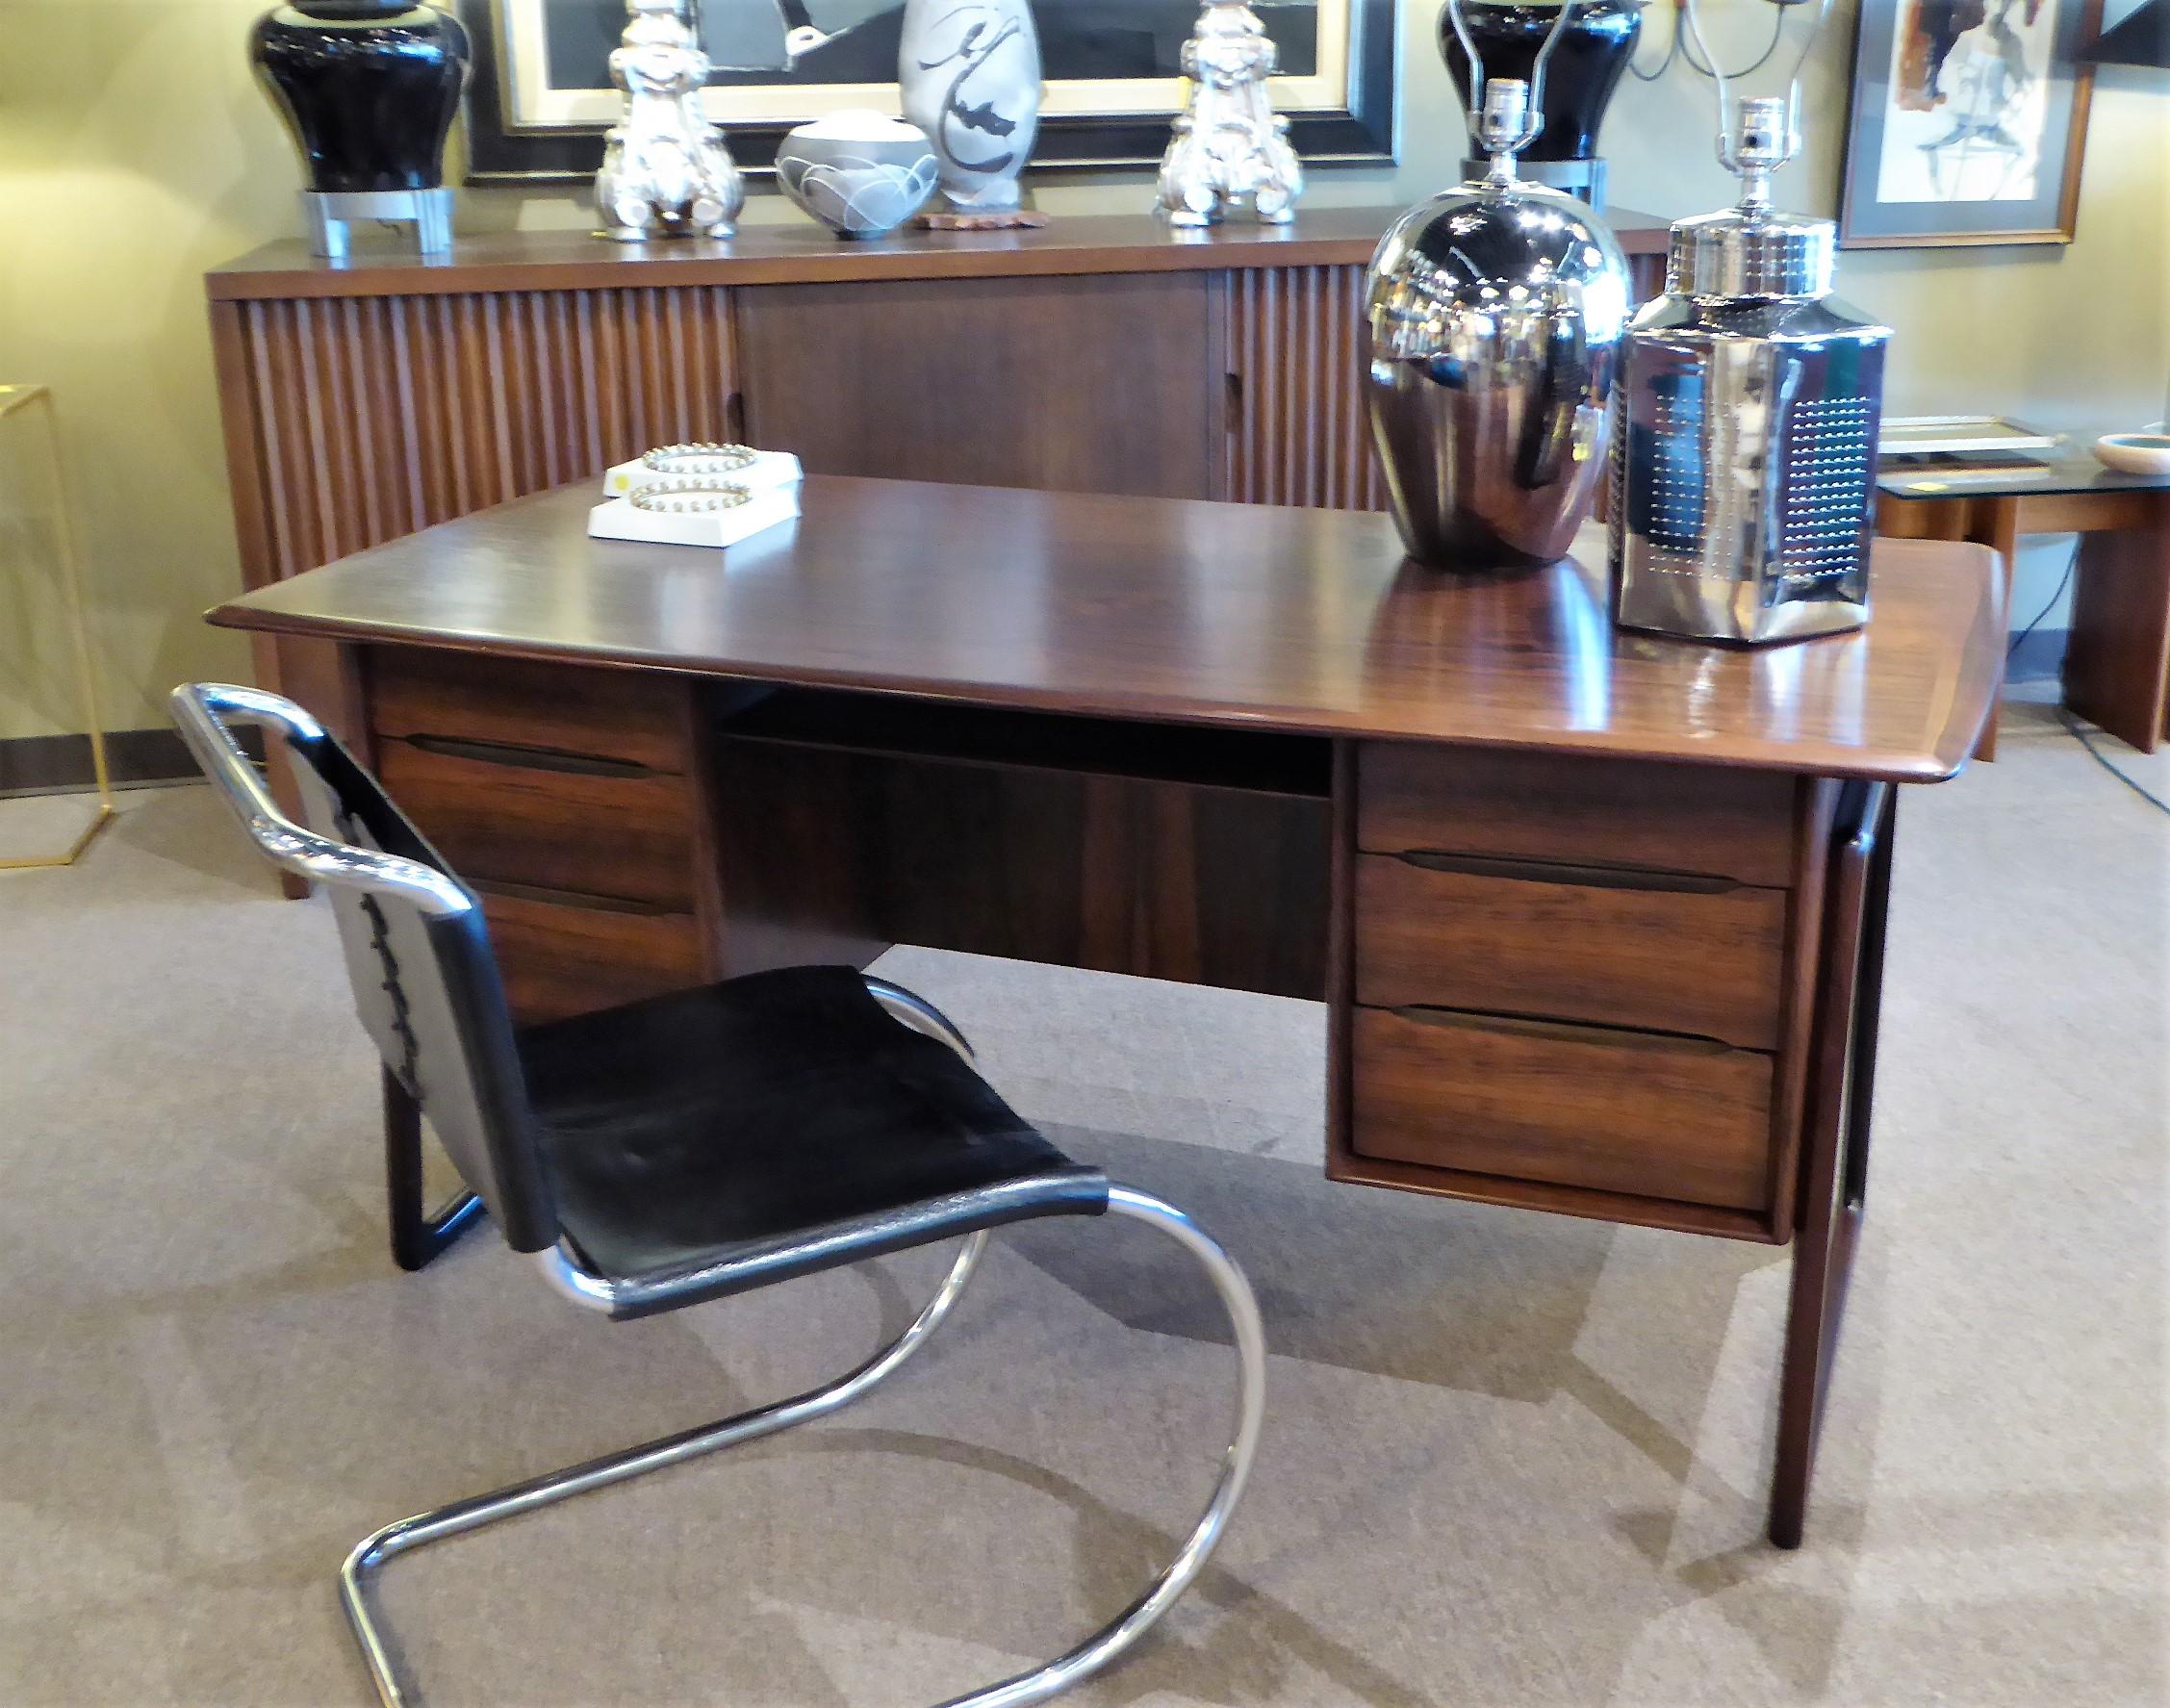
(1594, 45)
(328, 214)
(369, 88)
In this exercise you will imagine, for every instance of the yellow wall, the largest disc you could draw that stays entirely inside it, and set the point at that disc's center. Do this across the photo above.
(136, 152)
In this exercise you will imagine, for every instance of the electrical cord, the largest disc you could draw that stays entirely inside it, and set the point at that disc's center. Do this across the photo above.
(2073, 727)
(1677, 48)
(2070, 570)
(1778, 35)
(1671, 53)
(2079, 734)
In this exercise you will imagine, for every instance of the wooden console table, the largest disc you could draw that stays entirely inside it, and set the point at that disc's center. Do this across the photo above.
(2117, 661)
(366, 400)
(1598, 917)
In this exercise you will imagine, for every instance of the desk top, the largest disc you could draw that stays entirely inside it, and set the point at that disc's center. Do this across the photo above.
(1175, 610)
(801, 252)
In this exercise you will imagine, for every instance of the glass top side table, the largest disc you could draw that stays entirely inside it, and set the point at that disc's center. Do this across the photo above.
(2117, 662)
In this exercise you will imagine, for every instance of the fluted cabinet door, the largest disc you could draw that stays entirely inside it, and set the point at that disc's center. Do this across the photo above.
(363, 419)
(1297, 433)
(354, 421)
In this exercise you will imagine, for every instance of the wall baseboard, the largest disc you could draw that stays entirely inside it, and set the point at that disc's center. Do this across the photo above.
(49, 764)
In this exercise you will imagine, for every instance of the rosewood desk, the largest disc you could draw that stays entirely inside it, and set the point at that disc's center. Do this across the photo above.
(1598, 918)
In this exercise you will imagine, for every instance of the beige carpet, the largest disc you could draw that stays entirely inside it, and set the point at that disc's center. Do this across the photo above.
(1509, 1459)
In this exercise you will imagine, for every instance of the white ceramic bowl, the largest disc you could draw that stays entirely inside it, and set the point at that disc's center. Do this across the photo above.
(2134, 454)
(859, 173)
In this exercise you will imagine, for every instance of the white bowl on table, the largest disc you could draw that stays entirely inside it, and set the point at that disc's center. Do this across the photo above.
(2136, 453)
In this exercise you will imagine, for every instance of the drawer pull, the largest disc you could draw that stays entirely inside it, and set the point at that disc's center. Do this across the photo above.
(1576, 1032)
(573, 898)
(501, 753)
(1685, 884)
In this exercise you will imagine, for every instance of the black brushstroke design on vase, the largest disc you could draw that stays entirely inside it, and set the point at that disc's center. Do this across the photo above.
(969, 71)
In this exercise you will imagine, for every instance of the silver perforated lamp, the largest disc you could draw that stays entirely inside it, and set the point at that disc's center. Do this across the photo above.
(1744, 452)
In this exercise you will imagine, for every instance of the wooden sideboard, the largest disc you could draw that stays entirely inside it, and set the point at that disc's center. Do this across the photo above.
(363, 401)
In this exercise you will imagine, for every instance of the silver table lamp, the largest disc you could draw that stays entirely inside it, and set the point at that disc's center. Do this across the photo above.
(1744, 462)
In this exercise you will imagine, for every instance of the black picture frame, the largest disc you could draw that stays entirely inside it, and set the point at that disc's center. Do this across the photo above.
(2054, 138)
(1361, 129)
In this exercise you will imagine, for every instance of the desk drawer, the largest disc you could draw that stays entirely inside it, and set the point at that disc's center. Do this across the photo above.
(1714, 822)
(558, 822)
(1619, 947)
(1608, 1110)
(561, 959)
(634, 715)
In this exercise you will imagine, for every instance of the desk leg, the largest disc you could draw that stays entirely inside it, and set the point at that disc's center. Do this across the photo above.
(1994, 522)
(2117, 665)
(1833, 1198)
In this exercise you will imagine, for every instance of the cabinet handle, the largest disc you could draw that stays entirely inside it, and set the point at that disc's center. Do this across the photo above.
(505, 752)
(1686, 883)
(1620, 1037)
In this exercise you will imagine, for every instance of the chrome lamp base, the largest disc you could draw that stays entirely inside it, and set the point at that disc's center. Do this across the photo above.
(329, 213)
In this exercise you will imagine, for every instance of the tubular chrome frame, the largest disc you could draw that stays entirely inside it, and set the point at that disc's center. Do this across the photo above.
(574, 1281)
(1037, 1685)
(205, 711)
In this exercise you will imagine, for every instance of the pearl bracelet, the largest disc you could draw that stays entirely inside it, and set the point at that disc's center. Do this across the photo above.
(687, 496)
(699, 458)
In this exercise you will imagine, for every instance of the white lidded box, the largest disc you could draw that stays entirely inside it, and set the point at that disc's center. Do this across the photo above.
(765, 508)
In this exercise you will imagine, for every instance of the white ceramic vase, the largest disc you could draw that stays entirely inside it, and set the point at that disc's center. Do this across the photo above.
(969, 71)
(859, 173)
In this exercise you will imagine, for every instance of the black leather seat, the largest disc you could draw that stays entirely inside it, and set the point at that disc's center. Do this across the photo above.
(690, 1129)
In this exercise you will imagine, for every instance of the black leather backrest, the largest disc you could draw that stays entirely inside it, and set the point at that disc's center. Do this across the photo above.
(427, 990)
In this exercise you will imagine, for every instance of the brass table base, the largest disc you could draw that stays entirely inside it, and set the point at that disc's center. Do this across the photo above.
(12, 399)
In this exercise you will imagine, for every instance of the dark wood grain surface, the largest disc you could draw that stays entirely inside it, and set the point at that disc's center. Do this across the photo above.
(1079, 385)
(1658, 818)
(801, 252)
(1695, 956)
(1584, 1107)
(1180, 611)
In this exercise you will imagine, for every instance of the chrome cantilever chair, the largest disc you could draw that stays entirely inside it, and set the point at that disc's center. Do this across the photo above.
(685, 1148)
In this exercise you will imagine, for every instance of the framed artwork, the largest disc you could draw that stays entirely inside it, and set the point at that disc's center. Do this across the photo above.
(1968, 123)
(540, 96)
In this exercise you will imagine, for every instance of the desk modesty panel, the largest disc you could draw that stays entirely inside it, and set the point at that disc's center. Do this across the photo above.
(1596, 917)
